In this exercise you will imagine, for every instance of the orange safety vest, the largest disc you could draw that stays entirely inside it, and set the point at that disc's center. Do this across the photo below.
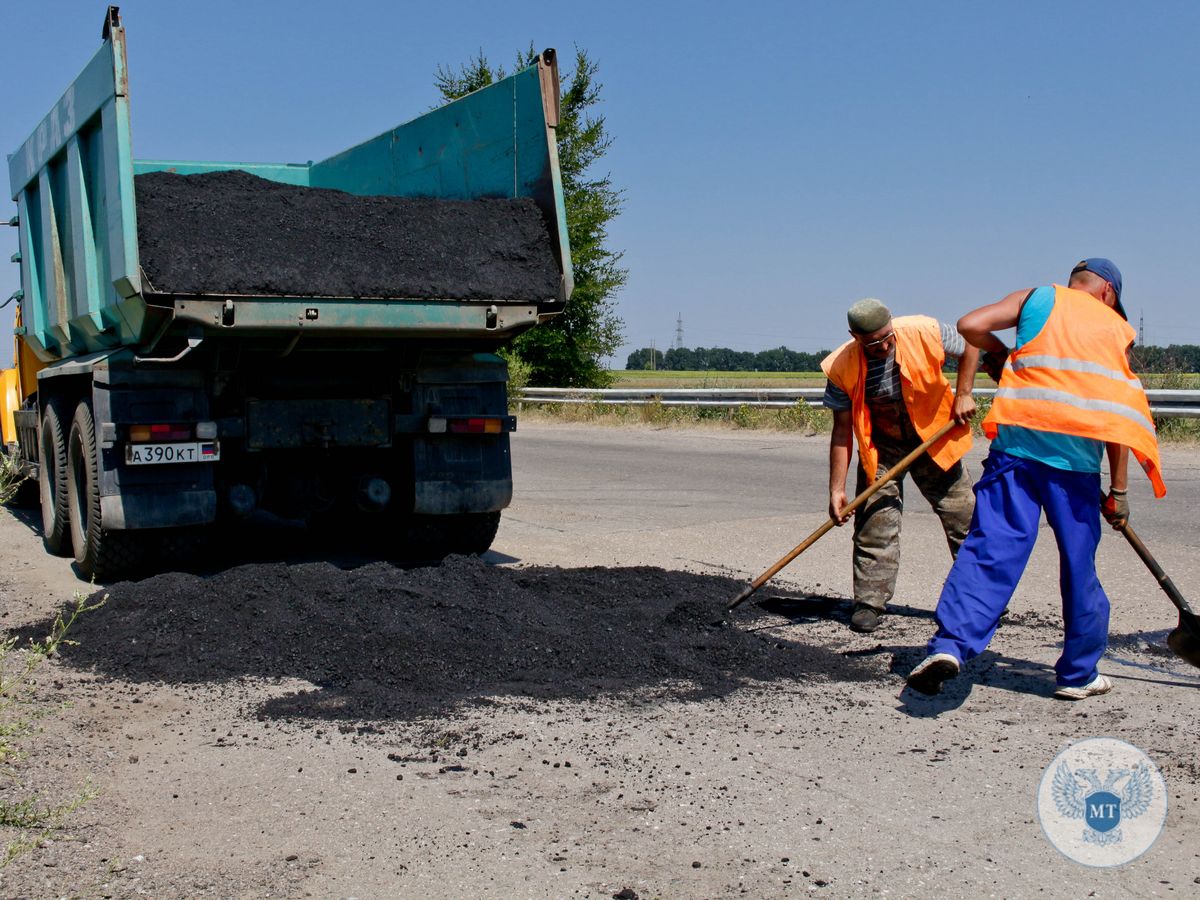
(926, 392)
(1074, 378)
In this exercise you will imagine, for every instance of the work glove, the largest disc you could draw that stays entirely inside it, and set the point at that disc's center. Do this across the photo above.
(993, 364)
(1115, 507)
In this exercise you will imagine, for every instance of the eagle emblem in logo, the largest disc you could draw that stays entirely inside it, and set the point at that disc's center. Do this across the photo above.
(1124, 794)
(1102, 802)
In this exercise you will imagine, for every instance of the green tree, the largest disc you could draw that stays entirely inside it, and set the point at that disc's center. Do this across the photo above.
(569, 350)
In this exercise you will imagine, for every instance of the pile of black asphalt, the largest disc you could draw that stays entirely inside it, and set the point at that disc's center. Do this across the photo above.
(382, 642)
(235, 233)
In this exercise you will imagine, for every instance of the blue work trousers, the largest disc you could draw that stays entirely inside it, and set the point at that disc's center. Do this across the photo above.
(1009, 500)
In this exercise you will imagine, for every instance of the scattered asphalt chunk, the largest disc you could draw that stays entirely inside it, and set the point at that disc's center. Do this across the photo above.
(372, 648)
(235, 233)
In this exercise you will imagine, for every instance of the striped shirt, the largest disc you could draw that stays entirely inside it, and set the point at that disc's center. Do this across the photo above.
(883, 375)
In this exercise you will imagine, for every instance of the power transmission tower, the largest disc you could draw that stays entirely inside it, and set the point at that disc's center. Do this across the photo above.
(679, 332)
(1141, 330)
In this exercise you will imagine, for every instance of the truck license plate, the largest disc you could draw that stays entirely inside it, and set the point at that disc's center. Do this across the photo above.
(153, 454)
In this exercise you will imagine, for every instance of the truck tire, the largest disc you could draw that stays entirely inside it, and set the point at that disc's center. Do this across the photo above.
(436, 537)
(474, 532)
(100, 554)
(52, 481)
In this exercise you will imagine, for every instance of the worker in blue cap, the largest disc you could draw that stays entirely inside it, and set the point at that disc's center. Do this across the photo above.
(1066, 398)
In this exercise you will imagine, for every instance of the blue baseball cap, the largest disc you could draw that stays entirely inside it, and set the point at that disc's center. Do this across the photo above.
(1106, 269)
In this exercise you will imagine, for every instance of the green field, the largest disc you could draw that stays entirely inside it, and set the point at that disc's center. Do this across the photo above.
(802, 417)
(643, 379)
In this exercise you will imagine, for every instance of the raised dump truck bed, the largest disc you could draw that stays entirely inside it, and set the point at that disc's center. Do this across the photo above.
(236, 234)
(77, 188)
(200, 340)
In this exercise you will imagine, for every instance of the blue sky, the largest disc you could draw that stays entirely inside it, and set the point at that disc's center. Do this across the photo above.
(779, 160)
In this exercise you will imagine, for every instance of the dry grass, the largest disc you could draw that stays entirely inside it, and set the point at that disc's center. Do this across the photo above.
(801, 417)
(11, 476)
(27, 819)
(640, 379)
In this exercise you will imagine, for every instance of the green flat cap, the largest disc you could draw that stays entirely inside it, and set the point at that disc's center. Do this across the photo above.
(868, 315)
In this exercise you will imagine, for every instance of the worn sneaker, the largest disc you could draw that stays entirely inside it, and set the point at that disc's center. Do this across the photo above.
(929, 674)
(865, 618)
(1095, 687)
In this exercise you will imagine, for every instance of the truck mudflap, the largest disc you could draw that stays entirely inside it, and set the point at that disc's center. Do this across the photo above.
(134, 497)
(136, 509)
(461, 475)
(458, 473)
(448, 498)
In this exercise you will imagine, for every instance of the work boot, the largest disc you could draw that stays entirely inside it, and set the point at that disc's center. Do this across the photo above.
(929, 674)
(1095, 687)
(865, 618)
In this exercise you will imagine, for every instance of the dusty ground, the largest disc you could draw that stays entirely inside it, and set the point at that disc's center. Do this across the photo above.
(567, 721)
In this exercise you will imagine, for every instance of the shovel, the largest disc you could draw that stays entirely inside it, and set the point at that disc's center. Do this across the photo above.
(892, 473)
(1184, 640)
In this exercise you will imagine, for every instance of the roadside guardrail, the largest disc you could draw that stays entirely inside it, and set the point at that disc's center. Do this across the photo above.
(1164, 403)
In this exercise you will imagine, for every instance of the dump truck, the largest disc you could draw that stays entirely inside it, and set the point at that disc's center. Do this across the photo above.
(198, 342)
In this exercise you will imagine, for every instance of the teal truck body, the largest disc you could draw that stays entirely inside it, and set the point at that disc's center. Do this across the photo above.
(387, 412)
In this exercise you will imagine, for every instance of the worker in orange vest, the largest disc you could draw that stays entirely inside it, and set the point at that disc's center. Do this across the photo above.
(888, 393)
(1066, 398)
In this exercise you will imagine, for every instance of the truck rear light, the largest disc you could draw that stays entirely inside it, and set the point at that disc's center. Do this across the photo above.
(470, 424)
(147, 433)
(475, 426)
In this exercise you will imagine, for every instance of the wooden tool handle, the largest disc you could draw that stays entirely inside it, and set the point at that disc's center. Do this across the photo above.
(892, 473)
(1156, 570)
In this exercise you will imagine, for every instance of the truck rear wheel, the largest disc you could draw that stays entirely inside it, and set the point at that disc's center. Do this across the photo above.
(52, 481)
(99, 553)
(475, 532)
(435, 537)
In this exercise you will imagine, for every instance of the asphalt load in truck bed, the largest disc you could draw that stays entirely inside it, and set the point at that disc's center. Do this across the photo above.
(235, 233)
(380, 642)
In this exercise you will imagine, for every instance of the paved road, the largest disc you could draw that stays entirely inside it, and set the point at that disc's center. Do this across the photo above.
(803, 784)
(737, 501)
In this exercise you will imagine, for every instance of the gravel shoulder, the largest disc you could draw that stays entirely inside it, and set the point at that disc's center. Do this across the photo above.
(565, 720)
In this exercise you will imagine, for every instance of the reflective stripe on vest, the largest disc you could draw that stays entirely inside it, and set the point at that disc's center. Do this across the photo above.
(1084, 403)
(1071, 365)
(1073, 378)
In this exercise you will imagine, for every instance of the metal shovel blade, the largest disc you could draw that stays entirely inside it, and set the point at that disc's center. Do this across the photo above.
(1184, 640)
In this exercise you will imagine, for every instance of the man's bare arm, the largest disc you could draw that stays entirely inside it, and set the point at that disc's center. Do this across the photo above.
(839, 463)
(977, 326)
(964, 386)
(1118, 466)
